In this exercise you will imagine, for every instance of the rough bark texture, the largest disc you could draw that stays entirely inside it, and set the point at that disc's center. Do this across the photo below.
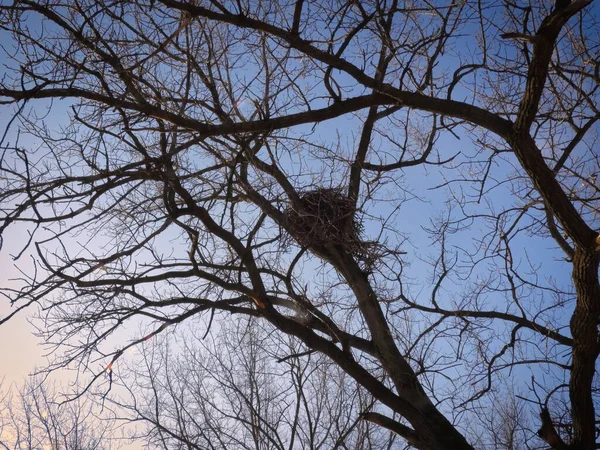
(584, 328)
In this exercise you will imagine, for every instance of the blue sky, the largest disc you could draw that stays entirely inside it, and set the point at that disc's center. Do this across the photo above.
(411, 189)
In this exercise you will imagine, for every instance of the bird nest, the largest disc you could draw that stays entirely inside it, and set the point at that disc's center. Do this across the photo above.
(324, 217)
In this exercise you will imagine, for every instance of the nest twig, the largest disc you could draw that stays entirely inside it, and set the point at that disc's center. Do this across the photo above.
(326, 216)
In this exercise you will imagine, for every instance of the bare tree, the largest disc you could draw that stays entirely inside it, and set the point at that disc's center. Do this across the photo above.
(399, 187)
(33, 418)
(230, 391)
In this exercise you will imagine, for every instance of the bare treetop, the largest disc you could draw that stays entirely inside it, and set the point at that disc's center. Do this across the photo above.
(408, 189)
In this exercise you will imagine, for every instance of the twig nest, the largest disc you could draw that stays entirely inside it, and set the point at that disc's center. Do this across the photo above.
(325, 216)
